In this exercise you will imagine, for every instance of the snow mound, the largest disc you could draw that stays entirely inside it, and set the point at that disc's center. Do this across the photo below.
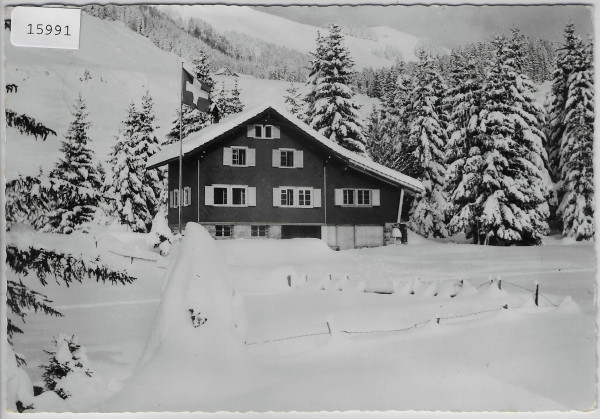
(197, 282)
(280, 279)
(569, 306)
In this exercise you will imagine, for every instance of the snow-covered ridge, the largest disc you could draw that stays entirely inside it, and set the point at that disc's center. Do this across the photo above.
(298, 36)
(211, 132)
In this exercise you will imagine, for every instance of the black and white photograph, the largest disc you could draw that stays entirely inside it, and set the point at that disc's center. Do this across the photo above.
(298, 208)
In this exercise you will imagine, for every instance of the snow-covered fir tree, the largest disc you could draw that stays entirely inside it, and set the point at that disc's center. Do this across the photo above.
(313, 78)
(464, 159)
(577, 151)
(155, 188)
(293, 100)
(78, 172)
(126, 185)
(332, 110)
(382, 144)
(193, 119)
(228, 102)
(67, 367)
(512, 194)
(428, 133)
(569, 54)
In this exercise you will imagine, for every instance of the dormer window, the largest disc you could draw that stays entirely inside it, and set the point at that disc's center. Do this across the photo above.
(264, 132)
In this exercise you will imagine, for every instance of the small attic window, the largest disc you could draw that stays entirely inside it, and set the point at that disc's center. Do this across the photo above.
(263, 131)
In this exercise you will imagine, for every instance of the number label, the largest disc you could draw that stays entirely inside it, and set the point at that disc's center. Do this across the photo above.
(50, 30)
(45, 27)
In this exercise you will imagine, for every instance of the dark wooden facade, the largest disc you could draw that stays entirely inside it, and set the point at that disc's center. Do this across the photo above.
(321, 170)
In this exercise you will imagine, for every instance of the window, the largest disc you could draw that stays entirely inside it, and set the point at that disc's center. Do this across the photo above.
(174, 197)
(263, 131)
(286, 158)
(357, 197)
(223, 230)
(239, 196)
(230, 196)
(238, 156)
(363, 197)
(297, 197)
(304, 197)
(348, 196)
(259, 231)
(287, 197)
(220, 196)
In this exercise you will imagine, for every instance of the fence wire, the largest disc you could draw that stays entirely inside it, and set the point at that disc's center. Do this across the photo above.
(403, 329)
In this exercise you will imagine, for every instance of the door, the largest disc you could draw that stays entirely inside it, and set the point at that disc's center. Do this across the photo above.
(292, 232)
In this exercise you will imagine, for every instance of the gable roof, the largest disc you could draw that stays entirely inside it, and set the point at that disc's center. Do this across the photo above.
(205, 136)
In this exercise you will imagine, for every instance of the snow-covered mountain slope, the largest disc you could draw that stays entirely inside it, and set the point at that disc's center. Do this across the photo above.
(122, 65)
(299, 36)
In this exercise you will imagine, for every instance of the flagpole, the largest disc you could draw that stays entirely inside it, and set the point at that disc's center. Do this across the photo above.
(180, 148)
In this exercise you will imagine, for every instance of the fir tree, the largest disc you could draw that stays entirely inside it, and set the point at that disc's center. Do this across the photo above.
(313, 78)
(512, 194)
(155, 190)
(569, 55)
(464, 159)
(67, 359)
(126, 186)
(428, 133)
(77, 171)
(381, 143)
(229, 102)
(332, 109)
(293, 99)
(577, 152)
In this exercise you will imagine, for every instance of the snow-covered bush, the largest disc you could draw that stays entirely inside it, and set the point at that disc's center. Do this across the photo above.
(67, 368)
(160, 236)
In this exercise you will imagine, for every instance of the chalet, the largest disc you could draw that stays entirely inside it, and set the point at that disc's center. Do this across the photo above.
(224, 71)
(264, 173)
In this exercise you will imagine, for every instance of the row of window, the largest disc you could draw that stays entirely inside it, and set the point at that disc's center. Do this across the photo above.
(225, 230)
(241, 156)
(283, 196)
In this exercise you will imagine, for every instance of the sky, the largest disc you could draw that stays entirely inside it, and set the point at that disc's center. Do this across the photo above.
(450, 26)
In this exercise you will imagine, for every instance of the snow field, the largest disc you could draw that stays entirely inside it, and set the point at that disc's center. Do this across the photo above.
(500, 359)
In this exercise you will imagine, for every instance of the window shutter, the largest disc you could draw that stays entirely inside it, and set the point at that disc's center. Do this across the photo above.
(251, 196)
(176, 198)
(250, 131)
(375, 200)
(339, 197)
(276, 197)
(316, 197)
(298, 158)
(209, 195)
(227, 156)
(275, 133)
(186, 196)
(276, 158)
(251, 157)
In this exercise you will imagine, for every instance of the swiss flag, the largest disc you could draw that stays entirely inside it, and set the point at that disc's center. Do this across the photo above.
(194, 92)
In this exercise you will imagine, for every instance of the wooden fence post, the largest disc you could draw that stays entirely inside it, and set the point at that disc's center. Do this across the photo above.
(537, 292)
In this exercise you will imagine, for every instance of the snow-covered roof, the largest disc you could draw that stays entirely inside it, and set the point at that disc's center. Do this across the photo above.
(210, 133)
